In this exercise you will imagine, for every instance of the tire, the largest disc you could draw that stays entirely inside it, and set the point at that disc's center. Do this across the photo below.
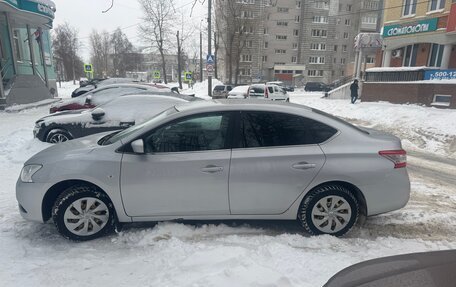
(77, 221)
(58, 136)
(317, 219)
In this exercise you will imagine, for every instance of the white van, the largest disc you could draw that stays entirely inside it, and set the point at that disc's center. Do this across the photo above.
(269, 92)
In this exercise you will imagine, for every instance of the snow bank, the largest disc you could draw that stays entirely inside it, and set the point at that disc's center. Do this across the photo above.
(423, 128)
(66, 89)
(200, 88)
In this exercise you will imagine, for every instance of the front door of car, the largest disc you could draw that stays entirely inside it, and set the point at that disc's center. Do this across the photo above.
(184, 170)
(275, 160)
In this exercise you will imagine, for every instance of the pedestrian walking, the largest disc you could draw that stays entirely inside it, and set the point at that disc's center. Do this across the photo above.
(354, 91)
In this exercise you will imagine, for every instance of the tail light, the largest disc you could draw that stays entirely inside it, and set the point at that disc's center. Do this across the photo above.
(398, 157)
(266, 93)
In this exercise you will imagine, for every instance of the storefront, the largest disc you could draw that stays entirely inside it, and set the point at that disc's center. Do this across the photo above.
(26, 64)
(423, 35)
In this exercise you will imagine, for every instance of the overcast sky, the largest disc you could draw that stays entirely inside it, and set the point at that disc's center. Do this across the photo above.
(86, 15)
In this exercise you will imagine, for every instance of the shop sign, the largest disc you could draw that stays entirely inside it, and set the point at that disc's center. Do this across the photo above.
(37, 6)
(440, 75)
(12, 2)
(422, 26)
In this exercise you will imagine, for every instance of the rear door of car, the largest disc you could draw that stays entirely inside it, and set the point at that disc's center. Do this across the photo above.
(275, 158)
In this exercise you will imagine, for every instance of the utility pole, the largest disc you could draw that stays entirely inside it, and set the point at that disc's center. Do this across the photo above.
(179, 71)
(215, 55)
(201, 56)
(209, 42)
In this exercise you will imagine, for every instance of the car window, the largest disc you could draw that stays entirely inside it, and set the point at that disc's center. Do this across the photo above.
(200, 133)
(219, 88)
(267, 129)
(258, 90)
(229, 88)
(271, 89)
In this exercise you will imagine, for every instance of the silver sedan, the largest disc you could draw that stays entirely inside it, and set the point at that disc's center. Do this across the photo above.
(218, 160)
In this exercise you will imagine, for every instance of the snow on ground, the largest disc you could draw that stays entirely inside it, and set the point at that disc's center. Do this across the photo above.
(66, 89)
(420, 128)
(200, 88)
(236, 253)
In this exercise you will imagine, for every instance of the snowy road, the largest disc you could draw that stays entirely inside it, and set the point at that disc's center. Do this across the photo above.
(221, 253)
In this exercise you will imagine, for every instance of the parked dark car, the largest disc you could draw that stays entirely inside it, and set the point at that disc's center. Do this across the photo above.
(428, 269)
(119, 113)
(104, 94)
(84, 83)
(96, 84)
(316, 87)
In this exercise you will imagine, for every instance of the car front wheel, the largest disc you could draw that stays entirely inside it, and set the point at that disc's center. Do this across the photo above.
(83, 213)
(58, 136)
(330, 209)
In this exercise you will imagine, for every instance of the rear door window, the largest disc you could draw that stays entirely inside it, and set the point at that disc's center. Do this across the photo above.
(269, 129)
(271, 89)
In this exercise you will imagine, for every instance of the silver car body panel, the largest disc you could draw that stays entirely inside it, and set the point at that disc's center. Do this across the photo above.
(184, 192)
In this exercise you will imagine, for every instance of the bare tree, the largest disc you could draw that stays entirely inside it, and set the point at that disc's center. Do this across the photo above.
(121, 48)
(100, 48)
(65, 44)
(236, 28)
(158, 16)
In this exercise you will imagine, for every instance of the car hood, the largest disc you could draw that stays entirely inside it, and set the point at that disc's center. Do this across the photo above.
(67, 150)
(409, 270)
(65, 116)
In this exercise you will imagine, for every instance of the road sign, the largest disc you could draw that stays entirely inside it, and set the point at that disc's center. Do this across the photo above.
(188, 76)
(210, 69)
(210, 59)
(88, 68)
(156, 74)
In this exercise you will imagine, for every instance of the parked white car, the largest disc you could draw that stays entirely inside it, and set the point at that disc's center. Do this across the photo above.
(239, 92)
(268, 92)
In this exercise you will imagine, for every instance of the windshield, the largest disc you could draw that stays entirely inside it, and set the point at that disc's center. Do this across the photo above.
(127, 132)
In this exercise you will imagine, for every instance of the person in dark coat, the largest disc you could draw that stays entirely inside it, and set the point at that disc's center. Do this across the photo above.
(354, 91)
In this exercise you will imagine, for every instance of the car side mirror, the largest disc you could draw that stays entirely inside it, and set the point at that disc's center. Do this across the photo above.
(138, 146)
(98, 113)
(88, 100)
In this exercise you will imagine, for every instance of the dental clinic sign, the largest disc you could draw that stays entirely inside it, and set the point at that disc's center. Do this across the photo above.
(422, 26)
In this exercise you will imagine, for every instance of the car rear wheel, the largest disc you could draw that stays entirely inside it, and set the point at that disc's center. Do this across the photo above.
(83, 213)
(330, 209)
(58, 136)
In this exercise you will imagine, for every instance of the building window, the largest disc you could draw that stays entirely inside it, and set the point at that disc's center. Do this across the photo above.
(298, 4)
(322, 5)
(281, 37)
(266, 45)
(244, 72)
(441, 100)
(436, 5)
(320, 19)
(17, 45)
(409, 7)
(347, 22)
(246, 58)
(248, 44)
(265, 31)
(370, 60)
(247, 14)
(345, 35)
(410, 56)
(349, 8)
(342, 61)
(319, 33)
(295, 46)
(318, 46)
(335, 48)
(315, 73)
(282, 10)
(344, 48)
(280, 51)
(294, 59)
(316, 60)
(369, 20)
(297, 19)
(435, 60)
(282, 23)
(296, 32)
(264, 58)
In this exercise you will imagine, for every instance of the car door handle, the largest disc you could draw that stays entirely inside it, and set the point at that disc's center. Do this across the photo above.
(212, 169)
(304, 165)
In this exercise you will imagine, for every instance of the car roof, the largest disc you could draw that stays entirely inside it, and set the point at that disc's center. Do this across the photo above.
(244, 104)
(133, 85)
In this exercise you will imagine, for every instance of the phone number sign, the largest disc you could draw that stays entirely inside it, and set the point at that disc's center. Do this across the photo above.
(440, 75)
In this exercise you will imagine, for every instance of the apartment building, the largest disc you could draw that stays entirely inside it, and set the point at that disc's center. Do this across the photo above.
(292, 41)
(419, 33)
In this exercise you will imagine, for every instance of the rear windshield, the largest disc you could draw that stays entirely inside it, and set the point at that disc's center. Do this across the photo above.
(219, 88)
(339, 120)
